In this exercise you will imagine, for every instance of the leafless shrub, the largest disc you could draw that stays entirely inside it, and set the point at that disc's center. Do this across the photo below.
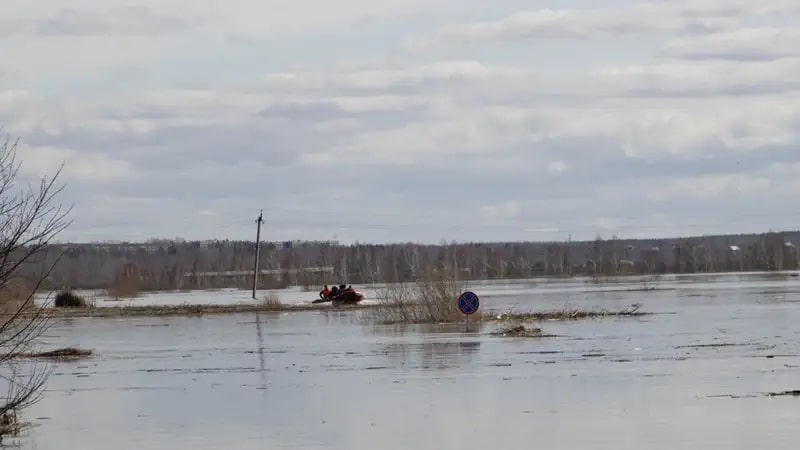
(125, 285)
(10, 425)
(122, 290)
(272, 302)
(29, 221)
(306, 281)
(431, 299)
(67, 299)
(13, 296)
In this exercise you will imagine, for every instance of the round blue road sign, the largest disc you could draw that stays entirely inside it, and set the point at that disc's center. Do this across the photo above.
(468, 303)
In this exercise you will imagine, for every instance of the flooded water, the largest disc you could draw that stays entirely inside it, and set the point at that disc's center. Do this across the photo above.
(692, 376)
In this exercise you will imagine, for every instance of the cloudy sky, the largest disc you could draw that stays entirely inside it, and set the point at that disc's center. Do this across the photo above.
(406, 119)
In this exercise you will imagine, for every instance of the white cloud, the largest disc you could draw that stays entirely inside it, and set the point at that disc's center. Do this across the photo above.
(706, 29)
(702, 130)
(502, 211)
(449, 132)
(701, 78)
(378, 77)
(642, 18)
(745, 44)
(606, 223)
(688, 108)
(713, 187)
(556, 167)
(41, 162)
(136, 20)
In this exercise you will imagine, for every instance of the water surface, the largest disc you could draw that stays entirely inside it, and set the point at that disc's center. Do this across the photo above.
(326, 380)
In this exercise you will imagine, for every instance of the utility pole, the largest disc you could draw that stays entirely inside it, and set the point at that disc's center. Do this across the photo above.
(259, 221)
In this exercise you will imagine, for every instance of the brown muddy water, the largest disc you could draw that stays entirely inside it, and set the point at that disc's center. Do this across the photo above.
(695, 375)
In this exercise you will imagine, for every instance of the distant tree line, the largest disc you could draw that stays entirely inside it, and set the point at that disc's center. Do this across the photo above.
(177, 264)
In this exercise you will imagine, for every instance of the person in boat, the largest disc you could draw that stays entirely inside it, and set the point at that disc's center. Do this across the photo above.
(342, 288)
(325, 292)
(334, 291)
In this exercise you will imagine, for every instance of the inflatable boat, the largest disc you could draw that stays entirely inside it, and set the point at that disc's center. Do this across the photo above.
(345, 297)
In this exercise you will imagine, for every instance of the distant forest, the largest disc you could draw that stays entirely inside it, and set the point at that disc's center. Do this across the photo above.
(181, 265)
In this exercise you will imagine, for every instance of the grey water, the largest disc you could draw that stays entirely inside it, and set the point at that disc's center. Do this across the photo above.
(694, 375)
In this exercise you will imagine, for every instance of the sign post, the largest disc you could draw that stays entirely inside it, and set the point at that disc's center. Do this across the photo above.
(468, 304)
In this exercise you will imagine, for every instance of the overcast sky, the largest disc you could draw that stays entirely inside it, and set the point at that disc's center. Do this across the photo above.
(406, 119)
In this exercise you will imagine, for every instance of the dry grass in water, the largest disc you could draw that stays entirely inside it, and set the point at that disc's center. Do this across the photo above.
(10, 425)
(14, 295)
(520, 331)
(427, 301)
(194, 310)
(272, 302)
(124, 287)
(566, 314)
(398, 304)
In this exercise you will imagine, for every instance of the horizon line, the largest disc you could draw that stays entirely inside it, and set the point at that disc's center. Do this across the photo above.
(442, 242)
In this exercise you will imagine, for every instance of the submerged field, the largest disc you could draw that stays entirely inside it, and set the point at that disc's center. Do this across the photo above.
(696, 374)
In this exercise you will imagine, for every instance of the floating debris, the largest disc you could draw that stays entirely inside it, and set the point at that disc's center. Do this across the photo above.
(720, 345)
(794, 393)
(521, 331)
(68, 353)
(791, 393)
(568, 314)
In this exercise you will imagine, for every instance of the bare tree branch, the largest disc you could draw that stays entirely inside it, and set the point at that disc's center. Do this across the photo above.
(29, 221)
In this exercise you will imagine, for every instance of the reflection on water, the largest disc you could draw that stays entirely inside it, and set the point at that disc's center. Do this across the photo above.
(260, 345)
(326, 380)
(430, 355)
(437, 329)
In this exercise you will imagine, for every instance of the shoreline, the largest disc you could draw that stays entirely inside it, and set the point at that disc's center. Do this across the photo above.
(191, 310)
(590, 280)
(197, 310)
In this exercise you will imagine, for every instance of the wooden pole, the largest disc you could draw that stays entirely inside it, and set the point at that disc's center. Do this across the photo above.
(259, 221)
